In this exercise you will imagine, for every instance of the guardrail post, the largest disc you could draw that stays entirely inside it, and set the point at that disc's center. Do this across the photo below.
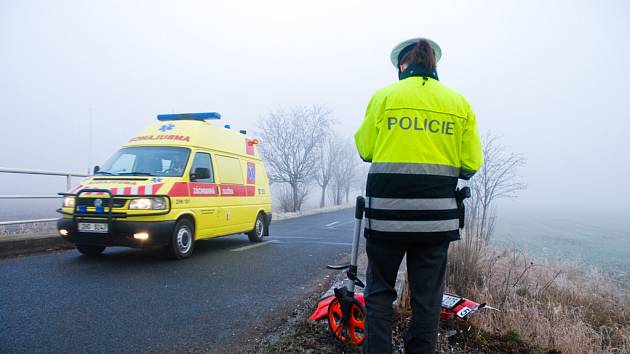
(68, 182)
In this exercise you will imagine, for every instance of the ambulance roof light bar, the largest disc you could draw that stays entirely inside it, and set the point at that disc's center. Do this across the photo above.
(189, 116)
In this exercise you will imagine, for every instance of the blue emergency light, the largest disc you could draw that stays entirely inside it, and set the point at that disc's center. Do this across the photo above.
(189, 116)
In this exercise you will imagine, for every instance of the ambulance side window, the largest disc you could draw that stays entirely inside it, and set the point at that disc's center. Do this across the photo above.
(230, 169)
(202, 160)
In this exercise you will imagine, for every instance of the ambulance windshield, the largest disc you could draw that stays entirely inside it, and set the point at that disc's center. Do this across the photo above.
(147, 161)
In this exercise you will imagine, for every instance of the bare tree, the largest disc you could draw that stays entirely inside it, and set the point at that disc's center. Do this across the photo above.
(498, 178)
(344, 172)
(328, 159)
(285, 193)
(352, 170)
(290, 146)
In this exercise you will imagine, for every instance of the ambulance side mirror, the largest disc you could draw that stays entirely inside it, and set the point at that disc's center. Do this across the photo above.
(96, 169)
(200, 173)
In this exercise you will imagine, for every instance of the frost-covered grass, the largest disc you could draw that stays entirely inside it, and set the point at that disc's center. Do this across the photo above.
(553, 306)
(559, 306)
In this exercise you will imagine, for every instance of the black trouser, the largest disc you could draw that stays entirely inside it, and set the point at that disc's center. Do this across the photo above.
(426, 265)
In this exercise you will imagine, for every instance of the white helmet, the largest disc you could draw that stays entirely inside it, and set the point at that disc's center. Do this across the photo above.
(399, 48)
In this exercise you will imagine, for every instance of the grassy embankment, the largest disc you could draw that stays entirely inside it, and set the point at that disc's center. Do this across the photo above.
(544, 306)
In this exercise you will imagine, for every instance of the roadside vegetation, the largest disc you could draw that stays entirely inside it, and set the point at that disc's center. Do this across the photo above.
(559, 307)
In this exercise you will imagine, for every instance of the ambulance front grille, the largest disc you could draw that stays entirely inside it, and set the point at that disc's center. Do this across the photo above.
(89, 202)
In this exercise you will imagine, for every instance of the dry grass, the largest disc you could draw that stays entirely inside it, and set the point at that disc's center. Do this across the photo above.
(555, 306)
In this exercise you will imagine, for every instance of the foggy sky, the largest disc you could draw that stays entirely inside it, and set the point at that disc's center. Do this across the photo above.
(79, 78)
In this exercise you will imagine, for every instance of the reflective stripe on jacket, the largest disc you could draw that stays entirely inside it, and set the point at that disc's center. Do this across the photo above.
(421, 137)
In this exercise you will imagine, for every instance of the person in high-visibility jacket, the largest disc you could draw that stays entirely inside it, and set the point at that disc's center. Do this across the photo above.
(421, 137)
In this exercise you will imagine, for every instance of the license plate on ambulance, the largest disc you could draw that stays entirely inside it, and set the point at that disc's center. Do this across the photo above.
(97, 227)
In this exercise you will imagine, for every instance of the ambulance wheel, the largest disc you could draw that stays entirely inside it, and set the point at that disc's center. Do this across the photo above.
(183, 240)
(90, 250)
(257, 234)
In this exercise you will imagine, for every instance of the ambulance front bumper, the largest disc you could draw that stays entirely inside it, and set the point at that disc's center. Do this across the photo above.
(120, 233)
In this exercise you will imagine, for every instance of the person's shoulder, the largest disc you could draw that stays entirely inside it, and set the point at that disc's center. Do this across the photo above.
(450, 92)
(453, 94)
(385, 91)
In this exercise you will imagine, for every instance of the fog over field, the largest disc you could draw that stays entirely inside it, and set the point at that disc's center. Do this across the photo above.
(80, 78)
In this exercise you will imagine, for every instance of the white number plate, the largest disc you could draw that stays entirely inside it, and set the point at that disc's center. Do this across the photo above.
(93, 227)
(449, 301)
(463, 312)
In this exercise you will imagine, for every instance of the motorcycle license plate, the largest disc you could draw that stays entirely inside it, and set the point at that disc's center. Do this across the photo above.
(93, 227)
(463, 312)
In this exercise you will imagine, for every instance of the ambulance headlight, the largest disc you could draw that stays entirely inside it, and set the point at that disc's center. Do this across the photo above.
(157, 203)
(68, 202)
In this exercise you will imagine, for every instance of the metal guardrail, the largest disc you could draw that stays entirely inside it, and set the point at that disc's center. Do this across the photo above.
(68, 176)
(19, 222)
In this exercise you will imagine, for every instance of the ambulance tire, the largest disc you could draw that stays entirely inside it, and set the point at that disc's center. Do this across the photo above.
(90, 250)
(257, 234)
(183, 239)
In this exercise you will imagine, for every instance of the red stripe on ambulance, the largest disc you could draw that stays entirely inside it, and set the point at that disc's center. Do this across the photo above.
(179, 189)
(231, 190)
(185, 189)
(150, 189)
(155, 188)
(203, 189)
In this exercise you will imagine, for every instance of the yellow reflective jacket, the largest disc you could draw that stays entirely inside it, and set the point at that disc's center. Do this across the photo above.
(420, 121)
(420, 136)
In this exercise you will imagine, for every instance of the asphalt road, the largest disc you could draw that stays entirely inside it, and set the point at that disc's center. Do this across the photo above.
(138, 301)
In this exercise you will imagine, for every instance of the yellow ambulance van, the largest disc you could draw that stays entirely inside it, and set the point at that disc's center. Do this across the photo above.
(180, 180)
